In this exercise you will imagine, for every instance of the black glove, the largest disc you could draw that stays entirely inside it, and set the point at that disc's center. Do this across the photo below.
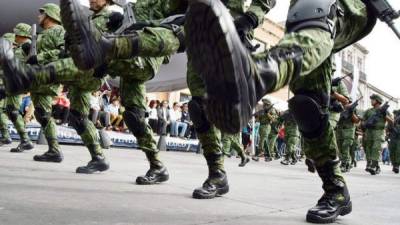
(32, 60)
(26, 47)
(115, 21)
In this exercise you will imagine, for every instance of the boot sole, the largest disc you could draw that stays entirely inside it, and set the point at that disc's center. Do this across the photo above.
(342, 211)
(212, 41)
(220, 192)
(74, 21)
(50, 161)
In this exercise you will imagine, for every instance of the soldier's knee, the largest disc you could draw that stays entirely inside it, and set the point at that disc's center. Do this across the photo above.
(42, 116)
(309, 109)
(12, 113)
(198, 115)
(78, 121)
(134, 118)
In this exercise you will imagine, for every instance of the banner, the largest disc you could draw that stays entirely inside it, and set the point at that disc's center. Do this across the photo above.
(68, 135)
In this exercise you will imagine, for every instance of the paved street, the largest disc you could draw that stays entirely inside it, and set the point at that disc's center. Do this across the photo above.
(33, 193)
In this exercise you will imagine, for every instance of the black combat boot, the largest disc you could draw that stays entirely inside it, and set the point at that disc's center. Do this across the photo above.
(374, 168)
(216, 48)
(395, 169)
(215, 185)
(336, 199)
(244, 161)
(368, 166)
(98, 163)
(5, 141)
(157, 173)
(50, 156)
(23, 146)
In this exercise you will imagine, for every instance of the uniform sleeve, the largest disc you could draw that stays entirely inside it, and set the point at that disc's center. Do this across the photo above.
(56, 40)
(259, 8)
(342, 89)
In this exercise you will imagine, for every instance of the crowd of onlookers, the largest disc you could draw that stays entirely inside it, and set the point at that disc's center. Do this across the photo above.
(170, 119)
(106, 113)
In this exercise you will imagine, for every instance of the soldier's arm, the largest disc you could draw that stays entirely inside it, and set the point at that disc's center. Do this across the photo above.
(57, 41)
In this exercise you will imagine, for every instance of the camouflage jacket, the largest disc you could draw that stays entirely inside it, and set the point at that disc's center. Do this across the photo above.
(49, 44)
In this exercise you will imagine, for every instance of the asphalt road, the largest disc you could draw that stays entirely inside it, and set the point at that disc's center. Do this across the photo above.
(33, 193)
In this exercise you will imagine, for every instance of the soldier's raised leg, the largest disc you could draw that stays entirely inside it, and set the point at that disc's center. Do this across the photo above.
(89, 48)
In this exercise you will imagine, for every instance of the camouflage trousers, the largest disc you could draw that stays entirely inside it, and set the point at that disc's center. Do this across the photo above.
(372, 144)
(134, 73)
(272, 148)
(314, 77)
(42, 99)
(3, 121)
(264, 131)
(394, 148)
(12, 105)
(210, 140)
(345, 139)
(81, 84)
(291, 142)
(232, 141)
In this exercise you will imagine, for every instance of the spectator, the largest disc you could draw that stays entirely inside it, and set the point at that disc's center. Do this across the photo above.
(61, 106)
(99, 117)
(163, 118)
(186, 119)
(115, 116)
(385, 156)
(153, 118)
(175, 121)
(27, 110)
(106, 99)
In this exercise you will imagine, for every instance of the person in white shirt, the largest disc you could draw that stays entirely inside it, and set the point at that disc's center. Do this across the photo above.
(152, 115)
(176, 123)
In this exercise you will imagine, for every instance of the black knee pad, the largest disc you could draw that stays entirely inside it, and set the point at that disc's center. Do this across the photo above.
(135, 120)
(78, 121)
(198, 115)
(42, 116)
(12, 113)
(310, 113)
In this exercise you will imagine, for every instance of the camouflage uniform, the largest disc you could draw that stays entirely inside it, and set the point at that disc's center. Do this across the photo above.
(292, 137)
(394, 141)
(334, 116)
(13, 102)
(134, 73)
(345, 137)
(301, 59)
(49, 45)
(273, 135)
(5, 135)
(232, 141)
(373, 138)
(266, 120)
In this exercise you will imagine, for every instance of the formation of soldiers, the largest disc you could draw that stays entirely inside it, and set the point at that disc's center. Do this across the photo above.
(226, 79)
